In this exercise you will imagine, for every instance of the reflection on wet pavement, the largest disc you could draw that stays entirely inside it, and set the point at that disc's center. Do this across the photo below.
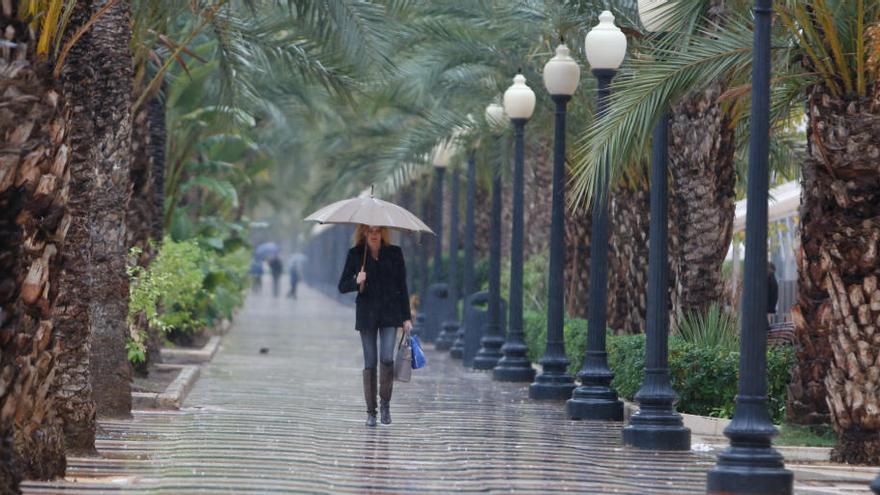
(291, 421)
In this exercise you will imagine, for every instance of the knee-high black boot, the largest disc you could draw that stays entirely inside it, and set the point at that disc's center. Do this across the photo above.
(386, 385)
(370, 395)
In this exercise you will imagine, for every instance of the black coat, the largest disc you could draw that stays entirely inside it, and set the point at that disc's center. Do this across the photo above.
(384, 301)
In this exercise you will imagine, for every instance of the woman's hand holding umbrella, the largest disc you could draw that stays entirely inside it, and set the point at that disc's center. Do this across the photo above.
(361, 278)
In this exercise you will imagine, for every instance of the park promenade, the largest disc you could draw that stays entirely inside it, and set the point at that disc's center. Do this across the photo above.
(291, 421)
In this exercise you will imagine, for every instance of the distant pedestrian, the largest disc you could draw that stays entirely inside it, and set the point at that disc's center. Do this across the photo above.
(276, 268)
(772, 291)
(294, 280)
(377, 271)
(256, 272)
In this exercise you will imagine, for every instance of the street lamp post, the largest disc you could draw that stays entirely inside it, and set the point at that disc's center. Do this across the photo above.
(519, 104)
(438, 290)
(421, 320)
(450, 326)
(751, 464)
(656, 425)
(493, 337)
(561, 77)
(457, 351)
(595, 398)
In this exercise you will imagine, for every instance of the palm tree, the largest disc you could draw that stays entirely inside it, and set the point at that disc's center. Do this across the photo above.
(34, 171)
(822, 60)
(110, 178)
(839, 217)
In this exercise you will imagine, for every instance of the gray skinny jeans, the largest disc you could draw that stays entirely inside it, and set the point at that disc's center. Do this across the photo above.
(386, 335)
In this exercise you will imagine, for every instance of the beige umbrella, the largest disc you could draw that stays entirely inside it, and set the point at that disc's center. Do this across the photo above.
(369, 211)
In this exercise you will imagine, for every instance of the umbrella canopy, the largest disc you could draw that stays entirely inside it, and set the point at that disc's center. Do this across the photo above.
(369, 211)
(266, 250)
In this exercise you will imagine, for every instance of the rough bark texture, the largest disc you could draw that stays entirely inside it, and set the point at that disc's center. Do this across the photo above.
(578, 225)
(537, 200)
(701, 198)
(34, 126)
(840, 226)
(144, 216)
(482, 222)
(76, 406)
(111, 59)
(811, 313)
(629, 216)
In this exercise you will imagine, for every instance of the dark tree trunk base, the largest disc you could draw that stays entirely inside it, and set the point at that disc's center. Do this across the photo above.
(857, 447)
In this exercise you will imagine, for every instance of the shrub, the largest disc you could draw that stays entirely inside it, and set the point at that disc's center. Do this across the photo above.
(626, 358)
(574, 334)
(705, 378)
(166, 293)
(188, 285)
(224, 283)
(713, 327)
(535, 330)
(534, 282)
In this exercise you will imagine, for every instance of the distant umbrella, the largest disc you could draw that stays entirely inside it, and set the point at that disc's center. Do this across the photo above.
(266, 250)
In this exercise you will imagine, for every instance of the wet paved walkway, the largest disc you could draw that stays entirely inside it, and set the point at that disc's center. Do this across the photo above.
(291, 421)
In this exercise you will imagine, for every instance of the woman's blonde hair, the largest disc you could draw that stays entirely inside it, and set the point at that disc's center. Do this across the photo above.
(360, 235)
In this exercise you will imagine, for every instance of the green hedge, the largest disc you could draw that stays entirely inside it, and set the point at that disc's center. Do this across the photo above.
(705, 378)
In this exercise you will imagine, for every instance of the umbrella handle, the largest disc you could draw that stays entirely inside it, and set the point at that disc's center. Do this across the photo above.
(363, 265)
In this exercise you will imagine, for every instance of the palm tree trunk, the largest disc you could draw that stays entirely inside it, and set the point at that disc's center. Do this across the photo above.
(578, 226)
(701, 198)
(33, 195)
(144, 216)
(537, 205)
(628, 257)
(112, 93)
(839, 298)
(76, 405)
(156, 149)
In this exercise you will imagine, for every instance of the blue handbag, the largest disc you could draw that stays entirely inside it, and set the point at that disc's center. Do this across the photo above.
(418, 356)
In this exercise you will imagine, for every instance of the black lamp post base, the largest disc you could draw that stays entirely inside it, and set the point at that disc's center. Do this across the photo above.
(596, 403)
(752, 470)
(513, 370)
(486, 362)
(447, 336)
(558, 387)
(456, 351)
(651, 436)
(490, 353)
(554, 382)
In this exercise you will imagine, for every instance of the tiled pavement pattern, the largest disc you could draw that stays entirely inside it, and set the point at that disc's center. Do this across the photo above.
(291, 421)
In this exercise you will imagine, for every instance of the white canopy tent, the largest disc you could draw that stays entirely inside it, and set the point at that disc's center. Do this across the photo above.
(784, 202)
(782, 208)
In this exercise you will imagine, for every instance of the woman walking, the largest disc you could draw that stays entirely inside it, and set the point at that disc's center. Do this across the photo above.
(377, 271)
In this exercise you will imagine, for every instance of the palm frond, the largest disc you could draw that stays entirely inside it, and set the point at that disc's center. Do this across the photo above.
(647, 85)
